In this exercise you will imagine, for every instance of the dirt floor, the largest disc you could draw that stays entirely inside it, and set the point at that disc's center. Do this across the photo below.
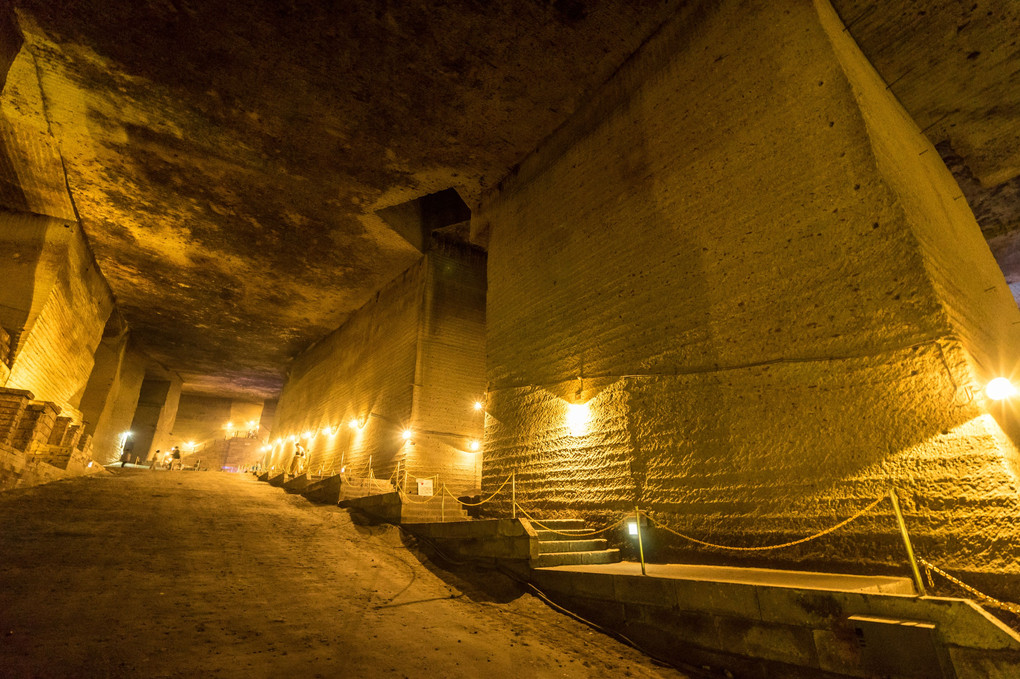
(186, 574)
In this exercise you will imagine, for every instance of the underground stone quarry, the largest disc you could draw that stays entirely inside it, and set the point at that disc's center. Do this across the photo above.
(537, 338)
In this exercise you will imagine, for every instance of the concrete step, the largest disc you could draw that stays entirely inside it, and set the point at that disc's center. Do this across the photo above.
(571, 534)
(557, 546)
(561, 524)
(601, 556)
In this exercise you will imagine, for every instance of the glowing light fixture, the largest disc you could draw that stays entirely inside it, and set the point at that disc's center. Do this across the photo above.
(228, 425)
(407, 434)
(1000, 388)
(308, 434)
(478, 405)
(475, 445)
(292, 438)
(578, 418)
(354, 424)
(329, 431)
(252, 424)
(277, 442)
(632, 528)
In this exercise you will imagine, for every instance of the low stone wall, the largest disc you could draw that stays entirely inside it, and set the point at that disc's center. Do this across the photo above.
(21, 470)
(778, 632)
(494, 540)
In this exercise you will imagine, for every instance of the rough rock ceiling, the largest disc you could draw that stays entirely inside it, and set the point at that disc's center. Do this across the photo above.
(955, 66)
(226, 157)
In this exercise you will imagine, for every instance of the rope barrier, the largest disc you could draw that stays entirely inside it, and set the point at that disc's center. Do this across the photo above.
(574, 535)
(990, 600)
(476, 504)
(767, 547)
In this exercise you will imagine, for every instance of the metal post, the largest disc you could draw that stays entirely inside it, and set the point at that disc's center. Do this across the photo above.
(513, 494)
(906, 543)
(442, 505)
(640, 543)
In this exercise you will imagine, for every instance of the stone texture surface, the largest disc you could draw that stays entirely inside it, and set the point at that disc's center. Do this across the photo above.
(227, 159)
(412, 359)
(755, 264)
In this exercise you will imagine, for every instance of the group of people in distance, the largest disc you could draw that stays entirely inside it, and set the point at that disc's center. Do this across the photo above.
(171, 459)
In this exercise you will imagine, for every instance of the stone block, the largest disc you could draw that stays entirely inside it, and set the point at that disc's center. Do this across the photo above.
(644, 590)
(838, 653)
(723, 598)
(780, 643)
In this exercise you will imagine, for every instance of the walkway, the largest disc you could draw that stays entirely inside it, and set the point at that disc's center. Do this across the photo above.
(183, 574)
(754, 576)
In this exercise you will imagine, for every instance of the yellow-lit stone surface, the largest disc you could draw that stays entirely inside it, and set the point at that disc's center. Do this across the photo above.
(753, 259)
(412, 359)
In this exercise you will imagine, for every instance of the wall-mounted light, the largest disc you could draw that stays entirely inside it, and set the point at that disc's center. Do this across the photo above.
(354, 424)
(277, 442)
(1000, 388)
(329, 431)
(228, 426)
(308, 434)
(407, 434)
(475, 446)
(578, 418)
(292, 438)
(479, 405)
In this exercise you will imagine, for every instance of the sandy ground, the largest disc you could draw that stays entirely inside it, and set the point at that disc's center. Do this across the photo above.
(187, 574)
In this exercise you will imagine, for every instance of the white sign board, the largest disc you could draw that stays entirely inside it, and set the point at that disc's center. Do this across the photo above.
(425, 487)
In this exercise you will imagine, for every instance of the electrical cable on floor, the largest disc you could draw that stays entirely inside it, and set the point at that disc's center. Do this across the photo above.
(691, 669)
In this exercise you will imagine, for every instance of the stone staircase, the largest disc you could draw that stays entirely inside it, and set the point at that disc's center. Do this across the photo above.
(568, 546)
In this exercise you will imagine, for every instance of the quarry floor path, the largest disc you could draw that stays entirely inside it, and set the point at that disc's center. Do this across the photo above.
(188, 574)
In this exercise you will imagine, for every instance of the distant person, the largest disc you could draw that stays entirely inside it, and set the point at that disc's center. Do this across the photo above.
(155, 460)
(297, 465)
(175, 459)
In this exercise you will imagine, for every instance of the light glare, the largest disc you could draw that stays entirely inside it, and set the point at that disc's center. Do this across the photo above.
(1000, 388)
(578, 418)
(475, 445)
(478, 405)
(407, 434)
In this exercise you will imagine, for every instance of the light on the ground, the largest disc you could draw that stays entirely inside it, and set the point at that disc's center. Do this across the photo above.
(1000, 388)
(478, 405)
(475, 445)
(407, 434)
(578, 418)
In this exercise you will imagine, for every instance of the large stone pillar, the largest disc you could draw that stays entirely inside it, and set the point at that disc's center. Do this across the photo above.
(154, 415)
(119, 410)
(54, 302)
(739, 288)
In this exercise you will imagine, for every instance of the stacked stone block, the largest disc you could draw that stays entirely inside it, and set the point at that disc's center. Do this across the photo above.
(12, 407)
(35, 426)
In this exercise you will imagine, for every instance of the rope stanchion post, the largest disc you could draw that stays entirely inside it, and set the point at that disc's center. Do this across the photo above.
(442, 505)
(918, 582)
(640, 542)
(513, 494)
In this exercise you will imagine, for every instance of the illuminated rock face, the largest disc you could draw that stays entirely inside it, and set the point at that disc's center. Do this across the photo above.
(203, 420)
(754, 260)
(412, 359)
